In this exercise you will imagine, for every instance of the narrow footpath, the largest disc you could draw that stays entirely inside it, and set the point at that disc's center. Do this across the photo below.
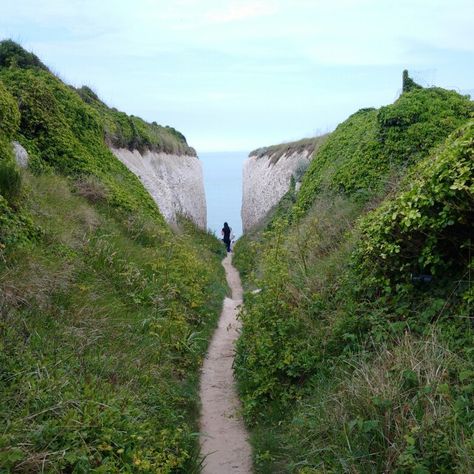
(224, 439)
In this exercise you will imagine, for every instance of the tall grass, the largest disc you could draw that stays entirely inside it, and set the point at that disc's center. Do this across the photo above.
(387, 411)
(104, 321)
(346, 361)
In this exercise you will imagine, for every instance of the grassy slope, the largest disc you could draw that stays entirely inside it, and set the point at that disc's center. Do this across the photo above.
(123, 131)
(345, 363)
(105, 313)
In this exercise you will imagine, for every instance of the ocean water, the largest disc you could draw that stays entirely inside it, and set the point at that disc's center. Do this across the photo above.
(223, 185)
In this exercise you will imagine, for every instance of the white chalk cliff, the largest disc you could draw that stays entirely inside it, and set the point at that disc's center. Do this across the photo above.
(175, 182)
(267, 175)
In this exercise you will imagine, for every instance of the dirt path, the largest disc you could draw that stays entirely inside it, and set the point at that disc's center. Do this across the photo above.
(223, 436)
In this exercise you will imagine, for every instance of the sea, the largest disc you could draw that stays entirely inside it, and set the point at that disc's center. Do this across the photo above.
(223, 185)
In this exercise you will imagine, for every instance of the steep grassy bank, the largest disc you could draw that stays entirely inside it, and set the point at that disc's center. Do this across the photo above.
(105, 313)
(356, 356)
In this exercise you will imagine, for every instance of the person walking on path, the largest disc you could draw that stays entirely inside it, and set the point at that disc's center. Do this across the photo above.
(226, 231)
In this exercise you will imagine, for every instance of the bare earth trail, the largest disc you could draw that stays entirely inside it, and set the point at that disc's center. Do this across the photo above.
(224, 439)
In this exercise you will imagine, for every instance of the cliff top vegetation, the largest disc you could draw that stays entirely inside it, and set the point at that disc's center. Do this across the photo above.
(120, 129)
(275, 152)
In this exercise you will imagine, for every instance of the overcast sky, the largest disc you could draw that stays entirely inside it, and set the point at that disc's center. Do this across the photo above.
(236, 75)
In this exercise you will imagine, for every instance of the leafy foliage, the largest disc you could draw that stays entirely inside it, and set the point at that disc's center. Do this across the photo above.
(9, 114)
(123, 131)
(347, 162)
(13, 55)
(408, 83)
(62, 133)
(15, 225)
(356, 355)
(105, 313)
(427, 229)
(364, 152)
(10, 181)
(245, 256)
(420, 120)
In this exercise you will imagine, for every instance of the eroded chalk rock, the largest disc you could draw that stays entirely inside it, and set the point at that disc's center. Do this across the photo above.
(267, 176)
(175, 182)
(21, 155)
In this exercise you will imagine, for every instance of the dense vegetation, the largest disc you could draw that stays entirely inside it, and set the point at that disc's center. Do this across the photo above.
(124, 131)
(105, 313)
(356, 355)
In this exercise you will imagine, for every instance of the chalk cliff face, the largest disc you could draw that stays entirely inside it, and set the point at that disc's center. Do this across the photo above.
(267, 175)
(175, 182)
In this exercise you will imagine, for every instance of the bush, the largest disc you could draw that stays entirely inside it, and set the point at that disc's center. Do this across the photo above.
(105, 313)
(427, 229)
(346, 162)
(337, 365)
(9, 114)
(13, 55)
(123, 131)
(10, 181)
(418, 121)
(359, 157)
(64, 134)
(245, 255)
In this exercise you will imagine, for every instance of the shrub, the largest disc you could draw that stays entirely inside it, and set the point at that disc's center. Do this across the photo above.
(123, 131)
(427, 229)
(105, 314)
(347, 161)
(9, 114)
(418, 121)
(13, 55)
(16, 229)
(10, 181)
(408, 83)
(337, 366)
(364, 151)
(66, 135)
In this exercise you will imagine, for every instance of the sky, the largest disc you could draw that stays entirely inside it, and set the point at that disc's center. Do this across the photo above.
(237, 75)
(223, 184)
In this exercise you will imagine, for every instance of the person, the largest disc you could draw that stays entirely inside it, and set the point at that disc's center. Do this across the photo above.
(226, 231)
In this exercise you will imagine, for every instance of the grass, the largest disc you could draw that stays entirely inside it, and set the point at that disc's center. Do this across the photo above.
(388, 411)
(275, 152)
(104, 323)
(105, 312)
(123, 131)
(345, 362)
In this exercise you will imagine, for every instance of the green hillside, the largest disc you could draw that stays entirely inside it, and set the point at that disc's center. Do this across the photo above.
(105, 313)
(356, 355)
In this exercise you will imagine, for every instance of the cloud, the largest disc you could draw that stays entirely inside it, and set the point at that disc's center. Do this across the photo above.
(242, 11)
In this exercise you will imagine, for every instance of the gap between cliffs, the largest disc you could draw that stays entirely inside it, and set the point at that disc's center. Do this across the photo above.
(224, 439)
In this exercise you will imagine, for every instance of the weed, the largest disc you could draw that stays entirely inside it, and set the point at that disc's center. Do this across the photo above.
(356, 355)
(105, 313)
